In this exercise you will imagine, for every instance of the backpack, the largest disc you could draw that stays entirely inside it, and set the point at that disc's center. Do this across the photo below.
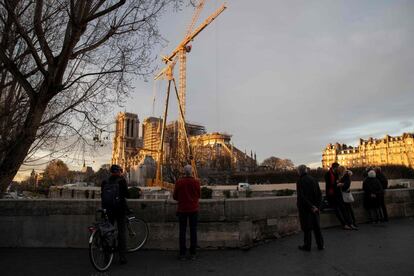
(110, 194)
(108, 234)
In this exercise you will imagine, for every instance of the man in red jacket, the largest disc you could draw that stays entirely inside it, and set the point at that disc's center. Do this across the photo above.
(187, 193)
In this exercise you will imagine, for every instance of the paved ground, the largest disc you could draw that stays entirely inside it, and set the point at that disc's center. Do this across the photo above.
(385, 249)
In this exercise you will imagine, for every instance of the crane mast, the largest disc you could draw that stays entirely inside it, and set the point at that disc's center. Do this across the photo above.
(180, 54)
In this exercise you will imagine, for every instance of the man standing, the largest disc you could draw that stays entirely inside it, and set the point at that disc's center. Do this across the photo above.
(309, 199)
(187, 193)
(384, 183)
(114, 192)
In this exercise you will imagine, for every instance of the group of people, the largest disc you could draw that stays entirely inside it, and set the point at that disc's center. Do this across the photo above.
(339, 198)
(309, 202)
(338, 183)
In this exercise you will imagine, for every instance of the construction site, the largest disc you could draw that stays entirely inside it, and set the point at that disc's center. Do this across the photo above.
(155, 153)
(214, 155)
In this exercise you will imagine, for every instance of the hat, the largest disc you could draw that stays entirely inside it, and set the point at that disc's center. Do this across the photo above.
(115, 169)
(372, 174)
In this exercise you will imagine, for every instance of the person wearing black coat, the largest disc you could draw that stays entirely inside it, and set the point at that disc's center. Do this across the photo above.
(309, 200)
(372, 191)
(384, 183)
(344, 183)
(334, 196)
(116, 208)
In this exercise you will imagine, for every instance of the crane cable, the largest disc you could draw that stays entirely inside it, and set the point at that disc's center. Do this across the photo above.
(216, 71)
(154, 91)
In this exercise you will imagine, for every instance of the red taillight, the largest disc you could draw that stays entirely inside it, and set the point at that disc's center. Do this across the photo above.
(91, 229)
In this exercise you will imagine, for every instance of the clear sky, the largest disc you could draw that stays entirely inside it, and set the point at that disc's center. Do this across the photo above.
(286, 78)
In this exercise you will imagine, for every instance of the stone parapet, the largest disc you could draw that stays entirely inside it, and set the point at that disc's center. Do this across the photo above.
(230, 223)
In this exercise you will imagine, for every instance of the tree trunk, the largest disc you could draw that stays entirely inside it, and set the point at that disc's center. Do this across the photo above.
(19, 148)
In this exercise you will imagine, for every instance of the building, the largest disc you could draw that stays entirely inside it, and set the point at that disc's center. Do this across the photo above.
(212, 151)
(126, 140)
(389, 150)
(151, 133)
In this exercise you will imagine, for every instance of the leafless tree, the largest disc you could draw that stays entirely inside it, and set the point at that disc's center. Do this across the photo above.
(278, 164)
(63, 64)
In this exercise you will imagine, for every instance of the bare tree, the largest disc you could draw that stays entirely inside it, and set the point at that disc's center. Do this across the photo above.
(278, 164)
(63, 64)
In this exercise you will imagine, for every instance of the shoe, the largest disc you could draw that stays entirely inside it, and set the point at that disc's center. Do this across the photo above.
(193, 257)
(122, 260)
(347, 227)
(304, 248)
(320, 248)
(354, 227)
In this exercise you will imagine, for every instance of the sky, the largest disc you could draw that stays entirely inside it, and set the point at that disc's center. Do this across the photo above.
(286, 78)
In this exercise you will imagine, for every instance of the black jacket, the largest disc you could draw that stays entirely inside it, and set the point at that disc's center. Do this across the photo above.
(123, 193)
(308, 193)
(346, 179)
(372, 186)
(384, 181)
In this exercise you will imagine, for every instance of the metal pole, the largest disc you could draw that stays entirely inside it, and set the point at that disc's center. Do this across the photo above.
(192, 161)
(158, 179)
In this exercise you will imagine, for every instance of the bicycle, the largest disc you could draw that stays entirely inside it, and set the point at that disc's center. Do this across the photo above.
(103, 239)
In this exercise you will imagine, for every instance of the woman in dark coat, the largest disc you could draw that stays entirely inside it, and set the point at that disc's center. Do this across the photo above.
(345, 184)
(372, 192)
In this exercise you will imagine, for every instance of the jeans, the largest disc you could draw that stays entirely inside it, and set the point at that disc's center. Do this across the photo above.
(191, 218)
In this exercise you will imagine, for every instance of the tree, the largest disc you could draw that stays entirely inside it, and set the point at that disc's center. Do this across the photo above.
(278, 164)
(56, 173)
(102, 174)
(62, 66)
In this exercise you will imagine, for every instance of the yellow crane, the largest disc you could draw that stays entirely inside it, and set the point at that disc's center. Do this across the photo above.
(179, 55)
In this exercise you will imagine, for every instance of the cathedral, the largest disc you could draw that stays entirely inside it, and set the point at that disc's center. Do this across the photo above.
(213, 152)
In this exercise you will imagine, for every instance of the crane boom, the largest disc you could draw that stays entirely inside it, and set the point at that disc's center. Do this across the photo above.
(197, 31)
(196, 15)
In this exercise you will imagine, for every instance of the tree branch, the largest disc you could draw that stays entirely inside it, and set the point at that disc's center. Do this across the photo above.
(108, 10)
(91, 74)
(12, 68)
(108, 35)
(37, 22)
(26, 38)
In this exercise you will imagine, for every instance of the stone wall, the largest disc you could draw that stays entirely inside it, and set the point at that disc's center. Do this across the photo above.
(232, 223)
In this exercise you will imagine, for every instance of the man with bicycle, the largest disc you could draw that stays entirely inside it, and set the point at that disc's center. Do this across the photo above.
(114, 192)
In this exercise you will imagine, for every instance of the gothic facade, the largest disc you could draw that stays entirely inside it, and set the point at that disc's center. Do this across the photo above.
(212, 151)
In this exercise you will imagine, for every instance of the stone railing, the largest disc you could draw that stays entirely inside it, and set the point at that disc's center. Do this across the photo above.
(232, 223)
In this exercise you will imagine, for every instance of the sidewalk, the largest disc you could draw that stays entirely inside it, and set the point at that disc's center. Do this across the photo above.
(384, 249)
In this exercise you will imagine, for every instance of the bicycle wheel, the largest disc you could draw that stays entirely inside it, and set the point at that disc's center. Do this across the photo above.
(137, 234)
(100, 255)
